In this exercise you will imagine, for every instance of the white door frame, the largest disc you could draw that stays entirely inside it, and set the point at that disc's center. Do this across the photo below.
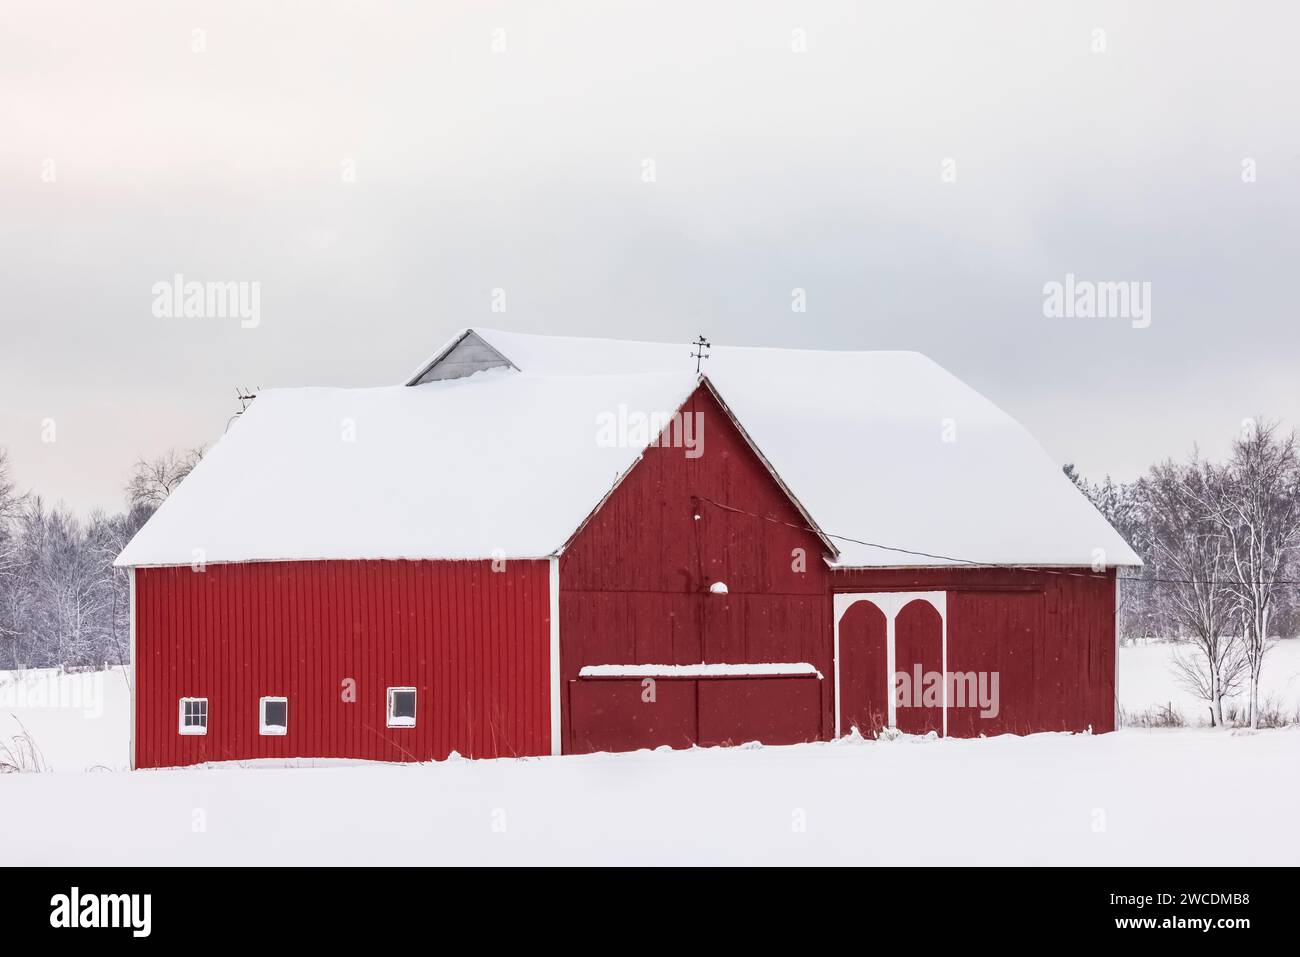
(890, 604)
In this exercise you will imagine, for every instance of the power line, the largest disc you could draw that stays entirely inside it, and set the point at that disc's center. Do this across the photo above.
(972, 563)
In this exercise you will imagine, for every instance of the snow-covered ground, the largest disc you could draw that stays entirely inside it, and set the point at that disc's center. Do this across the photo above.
(77, 721)
(1145, 680)
(1136, 797)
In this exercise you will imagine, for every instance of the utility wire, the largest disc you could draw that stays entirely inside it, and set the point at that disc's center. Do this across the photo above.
(972, 563)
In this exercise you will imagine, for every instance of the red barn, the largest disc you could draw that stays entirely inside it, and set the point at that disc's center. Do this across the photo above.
(541, 545)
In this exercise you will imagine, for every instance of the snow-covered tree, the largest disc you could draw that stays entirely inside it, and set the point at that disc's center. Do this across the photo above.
(61, 600)
(10, 503)
(1123, 506)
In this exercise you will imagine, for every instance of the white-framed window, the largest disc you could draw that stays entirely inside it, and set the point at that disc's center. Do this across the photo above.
(401, 707)
(193, 716)
(273, 715)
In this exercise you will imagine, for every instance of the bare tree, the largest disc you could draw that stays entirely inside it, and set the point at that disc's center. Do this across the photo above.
(1212, 679)
(152, 481)
(1256, 503)
(1188, 556)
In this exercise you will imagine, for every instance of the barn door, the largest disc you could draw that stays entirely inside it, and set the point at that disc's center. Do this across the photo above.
(889, 661)
(864, 679)
(918, 669)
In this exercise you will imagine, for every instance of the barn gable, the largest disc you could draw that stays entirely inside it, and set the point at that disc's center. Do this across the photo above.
(704, 398)
(635, 537)
(692, 559)
(464, 356)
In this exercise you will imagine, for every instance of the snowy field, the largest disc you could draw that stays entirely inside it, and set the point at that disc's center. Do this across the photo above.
(1145, 681)
(1136, 797)
(77, 722)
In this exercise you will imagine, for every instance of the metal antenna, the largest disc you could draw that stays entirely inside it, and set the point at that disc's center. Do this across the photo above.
(244, 396)
(702, 347)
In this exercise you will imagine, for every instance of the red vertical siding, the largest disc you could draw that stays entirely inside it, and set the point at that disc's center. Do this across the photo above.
(1006, 633)
(618, 714)
(615, 715)
(473, 642)
(634, 584)
(1048, 633)
(772, 710)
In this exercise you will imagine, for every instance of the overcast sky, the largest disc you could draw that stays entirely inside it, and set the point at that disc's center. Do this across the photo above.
(381, 168)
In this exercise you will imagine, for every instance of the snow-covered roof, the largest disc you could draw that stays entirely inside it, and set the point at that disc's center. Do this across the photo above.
(499, 464)
(881, 447)
(884, 447)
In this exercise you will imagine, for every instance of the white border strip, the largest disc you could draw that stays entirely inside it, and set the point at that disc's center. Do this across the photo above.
(700, 670)
(134, 675)
(555, 656)
(1118, 597)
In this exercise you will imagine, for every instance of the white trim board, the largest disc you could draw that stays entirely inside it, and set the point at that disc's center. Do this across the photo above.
(1118, 597)
(702, 670)
(555, 655)
(133, 672)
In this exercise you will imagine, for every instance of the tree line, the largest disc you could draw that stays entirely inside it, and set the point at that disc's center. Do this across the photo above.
(1220, 542)
(61, 601)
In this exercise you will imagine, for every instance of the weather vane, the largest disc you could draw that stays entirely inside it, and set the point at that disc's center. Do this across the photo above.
(702, 346)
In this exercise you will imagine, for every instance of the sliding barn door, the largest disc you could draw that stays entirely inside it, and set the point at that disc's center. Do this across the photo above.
(864, 678)
(918, 652)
